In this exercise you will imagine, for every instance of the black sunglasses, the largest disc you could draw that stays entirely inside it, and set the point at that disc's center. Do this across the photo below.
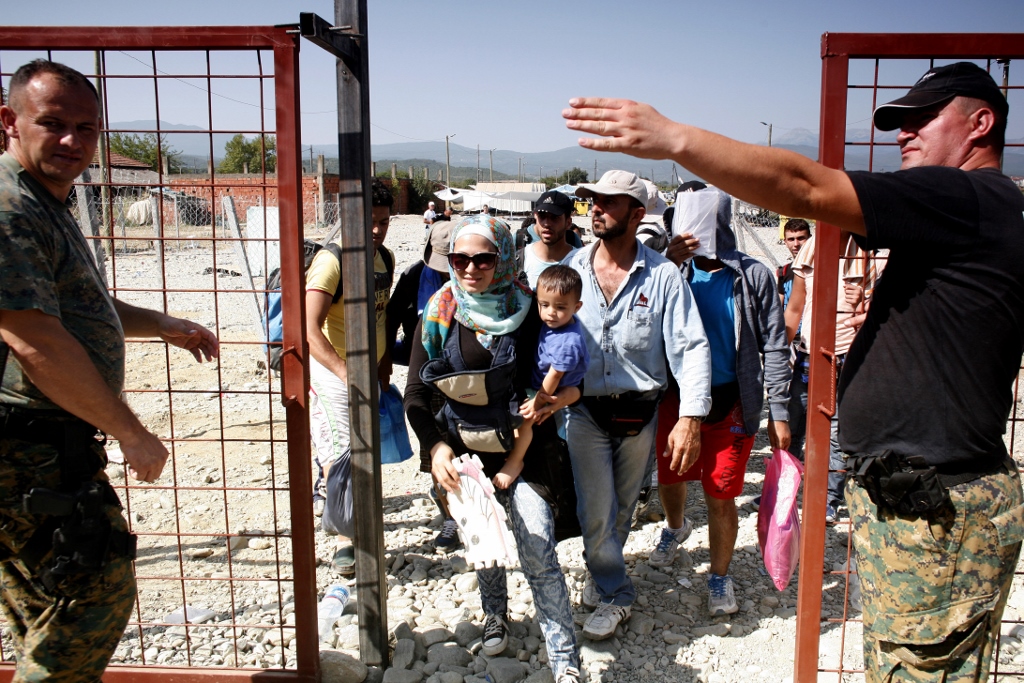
(485, 260)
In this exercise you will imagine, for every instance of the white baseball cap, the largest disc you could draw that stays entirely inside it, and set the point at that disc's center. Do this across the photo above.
(616, 182)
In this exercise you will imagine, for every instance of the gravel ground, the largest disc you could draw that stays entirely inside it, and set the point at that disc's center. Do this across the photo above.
(231, 503)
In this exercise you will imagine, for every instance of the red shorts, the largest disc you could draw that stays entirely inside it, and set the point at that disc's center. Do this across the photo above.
(724, 450)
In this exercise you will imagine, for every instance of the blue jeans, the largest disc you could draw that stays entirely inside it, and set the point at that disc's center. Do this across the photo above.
(609, 472)
(533, 525)
(798, 430)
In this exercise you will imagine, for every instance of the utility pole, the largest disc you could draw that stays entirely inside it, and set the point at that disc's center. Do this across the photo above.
(595, 170)
(478, 162)
(492, 165)
(447, 162)
(519, 177)
(769, 132)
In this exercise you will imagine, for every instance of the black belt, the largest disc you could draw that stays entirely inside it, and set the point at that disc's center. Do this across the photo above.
(72, 437)
(52, 427)
(951, 474)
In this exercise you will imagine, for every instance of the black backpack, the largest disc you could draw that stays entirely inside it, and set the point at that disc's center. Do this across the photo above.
(274, 318)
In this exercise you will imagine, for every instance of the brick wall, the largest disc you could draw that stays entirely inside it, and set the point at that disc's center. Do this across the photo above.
(251, 190)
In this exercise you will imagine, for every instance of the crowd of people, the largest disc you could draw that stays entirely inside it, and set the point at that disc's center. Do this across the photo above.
(574, 372)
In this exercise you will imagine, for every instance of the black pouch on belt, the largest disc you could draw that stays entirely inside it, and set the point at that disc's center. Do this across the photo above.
(906, 485)
(622, 415)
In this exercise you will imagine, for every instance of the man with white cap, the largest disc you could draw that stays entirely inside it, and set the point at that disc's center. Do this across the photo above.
(429, 216)
(935, 501)
(652, 231)
(640, 324)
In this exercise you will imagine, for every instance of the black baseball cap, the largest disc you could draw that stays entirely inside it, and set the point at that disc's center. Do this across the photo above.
(938, 85)
(555, 202)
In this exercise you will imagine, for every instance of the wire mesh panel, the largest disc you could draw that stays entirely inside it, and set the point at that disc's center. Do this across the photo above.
(191, 203)
(861, 71)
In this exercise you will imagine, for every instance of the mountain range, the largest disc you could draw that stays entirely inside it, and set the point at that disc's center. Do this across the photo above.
(195, 145)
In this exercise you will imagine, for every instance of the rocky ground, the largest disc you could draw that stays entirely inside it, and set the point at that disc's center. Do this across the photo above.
(225, 495)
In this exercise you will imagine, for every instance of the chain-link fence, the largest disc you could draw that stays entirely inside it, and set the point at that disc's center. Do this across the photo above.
(184, 216)
(758, 233)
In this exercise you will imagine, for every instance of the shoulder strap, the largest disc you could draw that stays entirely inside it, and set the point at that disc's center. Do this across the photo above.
(385, 255)
(335, 249)
(389, 262)
(521, 265)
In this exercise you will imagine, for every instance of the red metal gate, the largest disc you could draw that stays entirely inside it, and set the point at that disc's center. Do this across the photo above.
(860, 71)
(228, 529)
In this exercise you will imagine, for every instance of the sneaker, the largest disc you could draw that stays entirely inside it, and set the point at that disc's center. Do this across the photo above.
(664, 554)
(570, 675)
(721, 596)
(448, 539)
(344, 560)
(318, 507)
(831, 515)
(756, 503)
(643, 503)
(591, 597)
(495, 638)
(603, 622)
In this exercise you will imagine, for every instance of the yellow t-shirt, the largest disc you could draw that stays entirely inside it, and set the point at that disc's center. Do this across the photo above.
(325, 273)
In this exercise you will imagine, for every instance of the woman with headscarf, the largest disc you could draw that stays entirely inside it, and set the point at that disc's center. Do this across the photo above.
(474, 322)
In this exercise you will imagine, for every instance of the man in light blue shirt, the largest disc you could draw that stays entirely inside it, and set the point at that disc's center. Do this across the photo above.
(640, 323)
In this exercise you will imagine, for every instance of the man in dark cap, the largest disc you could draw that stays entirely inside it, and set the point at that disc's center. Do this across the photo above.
(936, 502)
(553, 215)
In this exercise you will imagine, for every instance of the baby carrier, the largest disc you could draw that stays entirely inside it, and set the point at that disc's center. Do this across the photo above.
(480, 412)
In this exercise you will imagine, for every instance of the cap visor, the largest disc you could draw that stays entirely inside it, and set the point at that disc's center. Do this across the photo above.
(889, 116)
(588, 191)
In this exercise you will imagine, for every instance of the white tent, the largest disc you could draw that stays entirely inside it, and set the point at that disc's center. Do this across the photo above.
(518, 200)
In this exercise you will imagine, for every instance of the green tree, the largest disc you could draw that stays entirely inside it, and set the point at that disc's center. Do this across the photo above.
(239, 153)
(143, 148)
(574, 176)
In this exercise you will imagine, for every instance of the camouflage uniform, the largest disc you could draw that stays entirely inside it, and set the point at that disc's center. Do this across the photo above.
(934, 588)
(65, 628)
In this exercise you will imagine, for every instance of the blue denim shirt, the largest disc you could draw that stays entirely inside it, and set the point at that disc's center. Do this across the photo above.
(650, 326)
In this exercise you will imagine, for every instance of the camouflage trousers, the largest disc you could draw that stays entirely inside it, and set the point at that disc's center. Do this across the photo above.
(934, 587)
(67, 632)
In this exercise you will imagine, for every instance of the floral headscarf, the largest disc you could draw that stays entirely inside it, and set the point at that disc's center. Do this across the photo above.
(496, 312)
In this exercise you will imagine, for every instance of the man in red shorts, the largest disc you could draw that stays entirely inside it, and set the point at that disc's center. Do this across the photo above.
(744, 322)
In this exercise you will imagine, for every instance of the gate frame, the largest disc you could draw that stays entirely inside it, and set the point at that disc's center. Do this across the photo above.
(284, 42)
(836, 51)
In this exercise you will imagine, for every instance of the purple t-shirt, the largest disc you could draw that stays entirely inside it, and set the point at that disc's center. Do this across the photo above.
(564, 350)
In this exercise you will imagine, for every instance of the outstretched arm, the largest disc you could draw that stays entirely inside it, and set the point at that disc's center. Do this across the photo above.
(770, 177)
(147, 323)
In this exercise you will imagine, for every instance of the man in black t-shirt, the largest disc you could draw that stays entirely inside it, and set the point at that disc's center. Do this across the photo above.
(928, 380)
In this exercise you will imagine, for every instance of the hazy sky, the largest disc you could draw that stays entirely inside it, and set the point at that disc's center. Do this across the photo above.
(498, 74)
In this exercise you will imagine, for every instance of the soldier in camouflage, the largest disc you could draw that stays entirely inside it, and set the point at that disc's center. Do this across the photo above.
(67, 596)
(926, 390)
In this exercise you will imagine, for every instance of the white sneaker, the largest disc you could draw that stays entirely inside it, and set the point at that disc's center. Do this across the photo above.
(602, 623)
(721, 596)
(591, 597)
(664, 554)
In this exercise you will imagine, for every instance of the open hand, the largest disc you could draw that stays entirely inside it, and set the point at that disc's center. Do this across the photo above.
(190, 336)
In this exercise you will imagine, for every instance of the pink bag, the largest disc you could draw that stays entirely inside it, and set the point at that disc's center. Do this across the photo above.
(778, 519)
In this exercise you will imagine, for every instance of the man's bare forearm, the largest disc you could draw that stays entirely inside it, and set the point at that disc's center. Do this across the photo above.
(138, 323)
(773, 178)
